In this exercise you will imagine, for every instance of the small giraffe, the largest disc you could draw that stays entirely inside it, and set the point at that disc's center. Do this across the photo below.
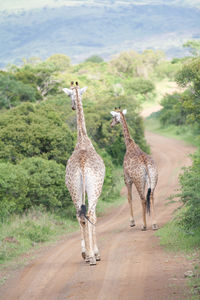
(85, 173)
(140, 169)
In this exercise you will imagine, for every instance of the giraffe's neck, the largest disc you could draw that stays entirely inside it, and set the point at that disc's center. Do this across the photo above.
(127, 136)
(81, 128)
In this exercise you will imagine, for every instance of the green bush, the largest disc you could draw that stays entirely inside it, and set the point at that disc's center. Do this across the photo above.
(173, 111)
(110, 181)
(168, 69)
(34, 130)
(46, 183)
(190, 194)
(33, 182)
(13, 189)
(139, 86)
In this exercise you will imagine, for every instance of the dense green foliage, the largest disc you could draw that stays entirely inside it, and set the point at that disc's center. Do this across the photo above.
(184, 110)
(173, 111)
(190, 194)
(13, 189)
(33, 182)
(13, 92)
(95, 59)
(194, 47)
(180, 109)
(35, 130)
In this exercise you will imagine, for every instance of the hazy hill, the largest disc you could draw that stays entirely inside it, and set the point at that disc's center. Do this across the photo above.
(82, 28)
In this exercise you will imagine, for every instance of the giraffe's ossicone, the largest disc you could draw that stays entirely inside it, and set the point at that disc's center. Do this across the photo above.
(85, 173)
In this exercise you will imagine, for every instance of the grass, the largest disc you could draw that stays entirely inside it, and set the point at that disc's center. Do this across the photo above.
(38, 227)
(19, 234)
(194, 284)
(174, 238)
(183, 133)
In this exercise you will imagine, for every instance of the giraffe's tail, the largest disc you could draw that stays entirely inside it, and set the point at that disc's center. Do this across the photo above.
(148, 201)
(83, 209)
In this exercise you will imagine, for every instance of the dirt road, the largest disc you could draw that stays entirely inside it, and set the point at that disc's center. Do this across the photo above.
(133, 266)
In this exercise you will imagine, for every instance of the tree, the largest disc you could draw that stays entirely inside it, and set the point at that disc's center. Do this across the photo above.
(14, 92)
(95, 59)
(60, 61)
(40, 75)
(189, 77)
(125, 62)
(193, 46)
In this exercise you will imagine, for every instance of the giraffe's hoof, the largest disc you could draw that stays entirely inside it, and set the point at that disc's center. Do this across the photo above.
(87, 259)
(132, 223)
(83, 255)
(98, 257)
(155, 227)
(92, 261)
(144, 228)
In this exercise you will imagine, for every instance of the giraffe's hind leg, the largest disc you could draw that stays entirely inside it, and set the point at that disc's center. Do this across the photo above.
(83, 244)
(154, 223)
(94, 254)
(154, 178)
(94, 186)
(140, 185)
(144, 205)
(74, 185)
(130, 201)
(96, 250)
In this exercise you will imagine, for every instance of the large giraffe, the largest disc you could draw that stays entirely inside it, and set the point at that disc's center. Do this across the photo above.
(84, 175)
(140, 169)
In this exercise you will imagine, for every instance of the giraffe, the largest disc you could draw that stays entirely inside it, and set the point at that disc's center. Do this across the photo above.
(140, 169)
(85, 173)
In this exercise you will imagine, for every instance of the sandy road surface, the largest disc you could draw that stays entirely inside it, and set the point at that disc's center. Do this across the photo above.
(133, 264)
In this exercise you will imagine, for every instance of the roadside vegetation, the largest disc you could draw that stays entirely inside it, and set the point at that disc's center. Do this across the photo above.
(180, 118)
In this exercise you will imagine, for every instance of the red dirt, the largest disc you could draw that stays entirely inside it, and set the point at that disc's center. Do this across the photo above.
(133, 266)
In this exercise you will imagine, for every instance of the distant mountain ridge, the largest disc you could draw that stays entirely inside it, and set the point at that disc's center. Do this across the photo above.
(16, 5)
(86, 29)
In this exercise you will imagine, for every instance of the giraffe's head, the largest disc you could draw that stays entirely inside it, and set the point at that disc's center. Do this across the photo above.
(74, 92)
(116, 116)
